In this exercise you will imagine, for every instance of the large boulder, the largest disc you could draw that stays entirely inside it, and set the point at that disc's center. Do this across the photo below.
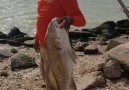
(91, 80)
(123, 23)
(121, 53)
(15, 32)
(112, 68)
(22, 61)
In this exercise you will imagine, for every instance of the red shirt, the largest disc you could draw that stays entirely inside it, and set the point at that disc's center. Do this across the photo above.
(49, 9)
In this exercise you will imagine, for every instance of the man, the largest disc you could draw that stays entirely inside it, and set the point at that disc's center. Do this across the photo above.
(67, 10)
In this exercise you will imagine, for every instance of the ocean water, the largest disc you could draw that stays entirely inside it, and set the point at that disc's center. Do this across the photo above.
(23, 13)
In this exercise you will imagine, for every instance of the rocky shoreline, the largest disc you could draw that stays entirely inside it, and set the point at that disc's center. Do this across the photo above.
(97, 68)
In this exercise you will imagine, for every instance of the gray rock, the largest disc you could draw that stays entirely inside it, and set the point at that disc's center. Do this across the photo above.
(112, 68)
(112, 44)
(121, 53)
(91, 49)
(29, 43)
(87, 67)
(22, 61)
(5, 52)
(92, 80)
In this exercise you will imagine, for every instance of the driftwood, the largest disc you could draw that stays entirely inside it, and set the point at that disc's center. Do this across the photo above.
(126, 11)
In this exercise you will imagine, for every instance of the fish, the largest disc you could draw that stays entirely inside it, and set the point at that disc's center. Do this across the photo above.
(60, 55)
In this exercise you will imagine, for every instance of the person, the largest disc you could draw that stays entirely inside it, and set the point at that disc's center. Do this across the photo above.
(67, 10)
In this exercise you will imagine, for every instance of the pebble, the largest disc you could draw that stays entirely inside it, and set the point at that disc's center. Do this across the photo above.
(4, 73)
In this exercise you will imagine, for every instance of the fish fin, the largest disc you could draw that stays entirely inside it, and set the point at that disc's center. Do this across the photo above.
(73, 55)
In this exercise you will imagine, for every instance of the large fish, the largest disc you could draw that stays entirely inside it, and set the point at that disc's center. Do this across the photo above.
(60, 56)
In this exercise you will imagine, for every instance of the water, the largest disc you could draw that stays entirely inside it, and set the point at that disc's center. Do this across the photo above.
(23, 14)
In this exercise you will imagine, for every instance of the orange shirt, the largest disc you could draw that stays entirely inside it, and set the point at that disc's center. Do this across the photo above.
(49, 9)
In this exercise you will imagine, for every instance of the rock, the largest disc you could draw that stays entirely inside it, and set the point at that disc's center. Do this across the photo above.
(21, 39)
(82, 34)
(112, 34)
(13, 50)
(80, 46)
(22, 61)
(29, 43)
(105, 31)
(91, 49)
(123, 23)
(123, 30)
(121, 53)
(112, 44)
(103, 38)
(90, 66)
(92, 80)
(91, 38)
(5, 52)
(112, 68)
(3, 41)
(3, 36)
(4, 73)
(85, 44)
(109, 34)
(15, 32)
(84, 29)
(1, 60)
(14, 43)
(103, 43)
(105, 25)
(28, 38)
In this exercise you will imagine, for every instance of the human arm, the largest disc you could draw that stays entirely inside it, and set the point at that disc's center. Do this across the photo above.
(36, 43)
(72, 10)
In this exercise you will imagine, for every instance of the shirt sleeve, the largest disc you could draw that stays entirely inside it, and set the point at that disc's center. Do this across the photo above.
(71, 8)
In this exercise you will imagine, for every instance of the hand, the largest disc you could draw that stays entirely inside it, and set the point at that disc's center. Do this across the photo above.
(65, 22)
(36, 47)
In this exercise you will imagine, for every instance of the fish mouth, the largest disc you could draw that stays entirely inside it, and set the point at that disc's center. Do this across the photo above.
(56, 20)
